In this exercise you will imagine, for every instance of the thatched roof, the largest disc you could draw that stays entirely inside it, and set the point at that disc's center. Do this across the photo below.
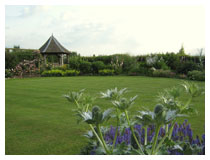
(52, 46)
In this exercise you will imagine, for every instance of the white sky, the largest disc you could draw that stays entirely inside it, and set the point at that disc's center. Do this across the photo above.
(107, 29)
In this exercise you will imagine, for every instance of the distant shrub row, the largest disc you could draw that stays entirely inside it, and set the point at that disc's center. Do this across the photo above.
(177, 65)
(59, 73)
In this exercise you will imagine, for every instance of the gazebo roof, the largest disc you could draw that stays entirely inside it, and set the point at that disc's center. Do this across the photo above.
(52, 46)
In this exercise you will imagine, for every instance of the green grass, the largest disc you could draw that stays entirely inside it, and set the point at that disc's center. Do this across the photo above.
(40, 121)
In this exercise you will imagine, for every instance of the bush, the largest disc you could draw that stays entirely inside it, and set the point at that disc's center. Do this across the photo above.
(85, 67)
(144, 69)
(185, 67)
(134, 70)
(59, 73)
(196, 75)
(163, 73)
(53, 73)
(8, 73)
(171, 60)
(106, 72)
(64, 67)
(10, 60)
(161, 65)
(15, 57)
(97, 65)
(182, 76)
(71, 73)
(74, 63)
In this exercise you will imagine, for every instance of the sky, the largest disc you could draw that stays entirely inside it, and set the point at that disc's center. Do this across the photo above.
(105, 30)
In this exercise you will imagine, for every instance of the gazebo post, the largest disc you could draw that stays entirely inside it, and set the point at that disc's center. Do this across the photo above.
(61, 59)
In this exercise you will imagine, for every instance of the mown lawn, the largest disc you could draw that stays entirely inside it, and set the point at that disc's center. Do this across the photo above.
(40, 121)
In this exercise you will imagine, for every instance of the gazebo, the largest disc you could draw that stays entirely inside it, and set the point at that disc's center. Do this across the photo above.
(53, 47)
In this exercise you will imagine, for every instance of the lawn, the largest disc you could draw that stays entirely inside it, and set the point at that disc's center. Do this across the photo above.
(40, 121)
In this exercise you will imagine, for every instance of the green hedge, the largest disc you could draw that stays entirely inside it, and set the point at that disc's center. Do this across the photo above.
(106, 72)
(59, 73)
(163, 73)
(196, 75)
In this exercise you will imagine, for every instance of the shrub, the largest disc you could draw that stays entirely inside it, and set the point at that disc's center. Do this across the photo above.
(185, 67)
(163, 73)
(171, 60)
(97, 65)
(144, 69)
(85, 67)
(74, 62)
(161, 65)
(17, 56)
(182, 76)
(59, 73)
(53, 73)
(71, 73)
(10, 60)
(8, 73)
(106, 72)
(196, 75)
(64, 67)
(134, 70)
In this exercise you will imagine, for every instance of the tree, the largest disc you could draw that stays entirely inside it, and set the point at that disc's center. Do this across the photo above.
(181, 51)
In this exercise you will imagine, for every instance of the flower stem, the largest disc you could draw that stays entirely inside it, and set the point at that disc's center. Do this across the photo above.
(155, 139)
(171, 129)
(166, 129)
(132, 130)
(87, 108)
(145, 137)
(96, 134)
(102, 139)
(161, 142)
(116, 132)
(77, 104)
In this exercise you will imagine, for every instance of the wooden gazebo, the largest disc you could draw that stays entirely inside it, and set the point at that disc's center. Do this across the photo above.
(53, 47)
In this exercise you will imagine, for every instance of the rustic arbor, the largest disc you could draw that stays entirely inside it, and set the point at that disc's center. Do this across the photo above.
(53, 47)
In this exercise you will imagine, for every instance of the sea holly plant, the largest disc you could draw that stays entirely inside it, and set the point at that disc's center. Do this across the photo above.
(170, 98)
(157, 131)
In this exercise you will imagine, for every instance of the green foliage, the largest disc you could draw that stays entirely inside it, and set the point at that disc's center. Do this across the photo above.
(8, 73)
(74, 96)
(74, 62)
(52, 73)
(144, 69)
(163, 73)
(187, 66)
(124, 103)
(181, 51)
(106, 72)
(160, 64)
(96, 116)
(196, 75)
(71, 73)
(59, 73)
(97, 65)
(193, 89)
(113, 94)
(145, 118)
(171, 60)
(11, 60)
(85, 67)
